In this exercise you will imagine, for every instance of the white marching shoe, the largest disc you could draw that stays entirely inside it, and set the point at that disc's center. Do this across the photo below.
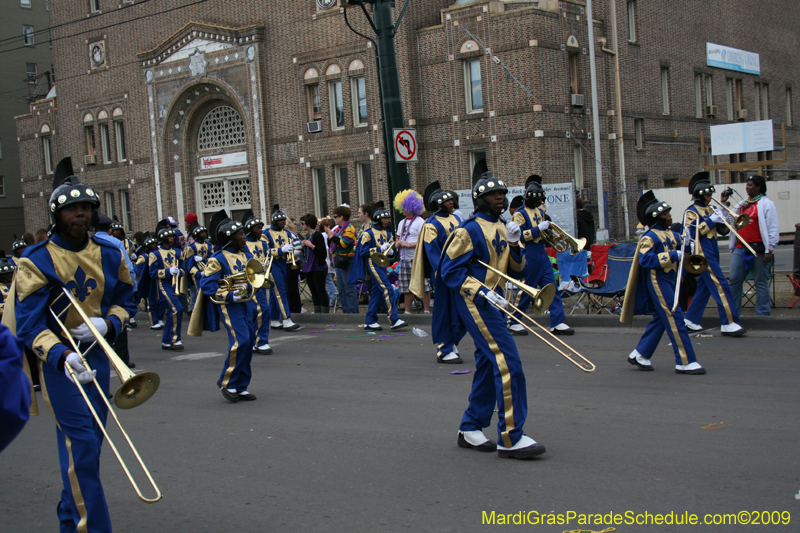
(691, 368)
(732, 330)
(475, 440)
(691, 326)
(288, 325)
(525, 448)
(640, 362)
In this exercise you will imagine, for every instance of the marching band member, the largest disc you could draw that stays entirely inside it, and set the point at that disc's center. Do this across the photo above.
(467, 303)
(197, 250)
(531, 219)
(147, 287)
(712, 282)
(281, 244)
(117, 230)
(95, 273)
(7, 269)
(16, 250)
(259, 249)
(164, 264)
(234, 314)
(651, 288)
(15, 389)
(427, 258)
(376, 239)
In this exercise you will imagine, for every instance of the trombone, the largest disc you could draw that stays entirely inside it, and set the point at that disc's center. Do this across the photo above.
(381, 258)
(561, 240)
(541, 301)
(267, 265)
(739, 221)
(135, 390)
(697, 262)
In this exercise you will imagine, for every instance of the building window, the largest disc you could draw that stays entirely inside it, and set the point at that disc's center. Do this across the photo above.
(631, 21)
(109, 207)
(577, 159)
(359, 92)
(364, 183)
(47, 149)
(574, 78)
(105, 142)
(762, 101)
(342, 185)
(222, 127)
(789, 120)
(314, 106)
(709, 87)
(2, 185)
(320, 191)
(125, 203)
(94, 5)
(638, 126)
(31, 70)
(27, 35)
(472, 82)
(119, 133)
(1, 148)
(474, 157)
(88, 133)
(737, 85)
(729, 93)
(698, 95)
(664, 91)
(25, 3)
(337, 105)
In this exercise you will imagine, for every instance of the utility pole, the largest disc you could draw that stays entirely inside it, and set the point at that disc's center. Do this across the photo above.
(389, 79)
(620, 136)
(602, 232)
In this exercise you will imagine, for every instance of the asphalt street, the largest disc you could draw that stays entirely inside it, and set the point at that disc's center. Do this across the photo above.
(356, 433)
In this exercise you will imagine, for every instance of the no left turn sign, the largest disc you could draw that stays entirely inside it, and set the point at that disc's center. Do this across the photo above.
(405, 145)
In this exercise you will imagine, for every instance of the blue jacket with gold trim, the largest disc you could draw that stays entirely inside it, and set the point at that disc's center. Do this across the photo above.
(160, 261)
(370, 241)
(95, 274)
(708, 230)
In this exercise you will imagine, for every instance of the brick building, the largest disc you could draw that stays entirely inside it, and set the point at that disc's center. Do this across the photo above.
(175, 107)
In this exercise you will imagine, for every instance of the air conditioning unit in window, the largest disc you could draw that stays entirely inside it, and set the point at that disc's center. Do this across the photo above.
(89, 160)
(712, 111)
(315, 126)
(577, 100)
(741, 114)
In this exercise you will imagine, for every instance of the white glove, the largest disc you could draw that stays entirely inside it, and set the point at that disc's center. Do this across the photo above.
(83, 375)
(686, 238)
(513, 232)
(543, 225)
(286, 248)
(680, 254)
(134, 257)
(237, 298)
(385, 246)
(297, 252)
(717, 217)
(173, 271)
(495, 298)
(83, 334)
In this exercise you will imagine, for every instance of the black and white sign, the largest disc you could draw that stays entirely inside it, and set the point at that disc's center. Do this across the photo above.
(405, 145)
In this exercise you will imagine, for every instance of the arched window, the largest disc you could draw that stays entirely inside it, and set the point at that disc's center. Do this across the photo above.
(222, 127)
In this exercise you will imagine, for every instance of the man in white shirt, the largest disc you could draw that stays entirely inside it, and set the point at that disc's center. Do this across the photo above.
(408, 230)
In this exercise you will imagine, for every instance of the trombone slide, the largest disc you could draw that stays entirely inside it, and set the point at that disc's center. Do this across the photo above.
(740, 222)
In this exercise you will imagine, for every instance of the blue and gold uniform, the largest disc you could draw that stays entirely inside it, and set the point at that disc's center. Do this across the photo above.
(259, 249)
(15, 387)
(434, 235)
(652, 281)
(706, 224)
(160, 261)
(281, 247)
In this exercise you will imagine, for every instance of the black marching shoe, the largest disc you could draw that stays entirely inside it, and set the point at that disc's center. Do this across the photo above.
(232, 397)
(246, 397)
(525, 448)
(454, 361)
(692, 369)
(476, 436)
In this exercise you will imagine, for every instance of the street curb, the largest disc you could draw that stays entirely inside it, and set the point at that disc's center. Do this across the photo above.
(760, 323)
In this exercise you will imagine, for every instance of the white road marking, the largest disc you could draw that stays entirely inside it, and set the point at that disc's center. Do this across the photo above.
(196, 356)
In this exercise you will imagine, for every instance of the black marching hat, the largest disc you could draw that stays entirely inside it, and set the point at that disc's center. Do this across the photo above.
(116, 224)
(250, 220)
(649, 207)
(222, 228)
(435, 197)
(196, 229)
(19, 243)
(67, 189)
(164, 230)
(700, 184)
(533, 187)
(379, 211)
(277, 214)
(485, 182)
(6, 266)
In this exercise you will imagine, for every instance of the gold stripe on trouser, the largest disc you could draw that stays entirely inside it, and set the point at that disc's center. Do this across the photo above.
(259, 315)
(174, 314)
(439, 349)
(234, 348)
(671, 319)
(722, 297)
(280, 301)
(505, 375)
(77, 495)
(385, 290)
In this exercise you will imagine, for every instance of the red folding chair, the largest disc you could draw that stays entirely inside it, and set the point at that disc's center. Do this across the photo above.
(599, 273)
(794, 279)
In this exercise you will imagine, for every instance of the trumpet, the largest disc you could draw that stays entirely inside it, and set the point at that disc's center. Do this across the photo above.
(135, 390)
(541, 301)
(697, 263)
(561, 240)
(739, 221)
(381, 258)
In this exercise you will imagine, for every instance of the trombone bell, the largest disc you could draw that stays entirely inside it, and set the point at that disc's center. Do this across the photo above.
(540, 298)
(696, 264)
(561, 240)
(136, 390)
(381, 259)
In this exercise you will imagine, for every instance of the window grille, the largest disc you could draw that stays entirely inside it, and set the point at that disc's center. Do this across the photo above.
(213, 194)
(240, 191)
(221, 128)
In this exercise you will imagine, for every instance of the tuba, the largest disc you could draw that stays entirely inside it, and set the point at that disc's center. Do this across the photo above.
(561, 240)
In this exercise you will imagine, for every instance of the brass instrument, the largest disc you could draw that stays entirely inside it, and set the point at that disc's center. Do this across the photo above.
(268, 283)
(561, 240)
(381, 258)
(541, 300)
(740, 221)
(697, 263)
(244, 283)
(135, 390)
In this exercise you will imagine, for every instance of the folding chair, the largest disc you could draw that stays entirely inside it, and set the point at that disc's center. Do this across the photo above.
(573, 269)
(599, 273)
(609, 297)
(749, 286)
(794, 279)
(305, 292)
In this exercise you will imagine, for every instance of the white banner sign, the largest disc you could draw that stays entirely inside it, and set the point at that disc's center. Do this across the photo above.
(560, 203)
(742, 138)
(223, 160)
(732, 59)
